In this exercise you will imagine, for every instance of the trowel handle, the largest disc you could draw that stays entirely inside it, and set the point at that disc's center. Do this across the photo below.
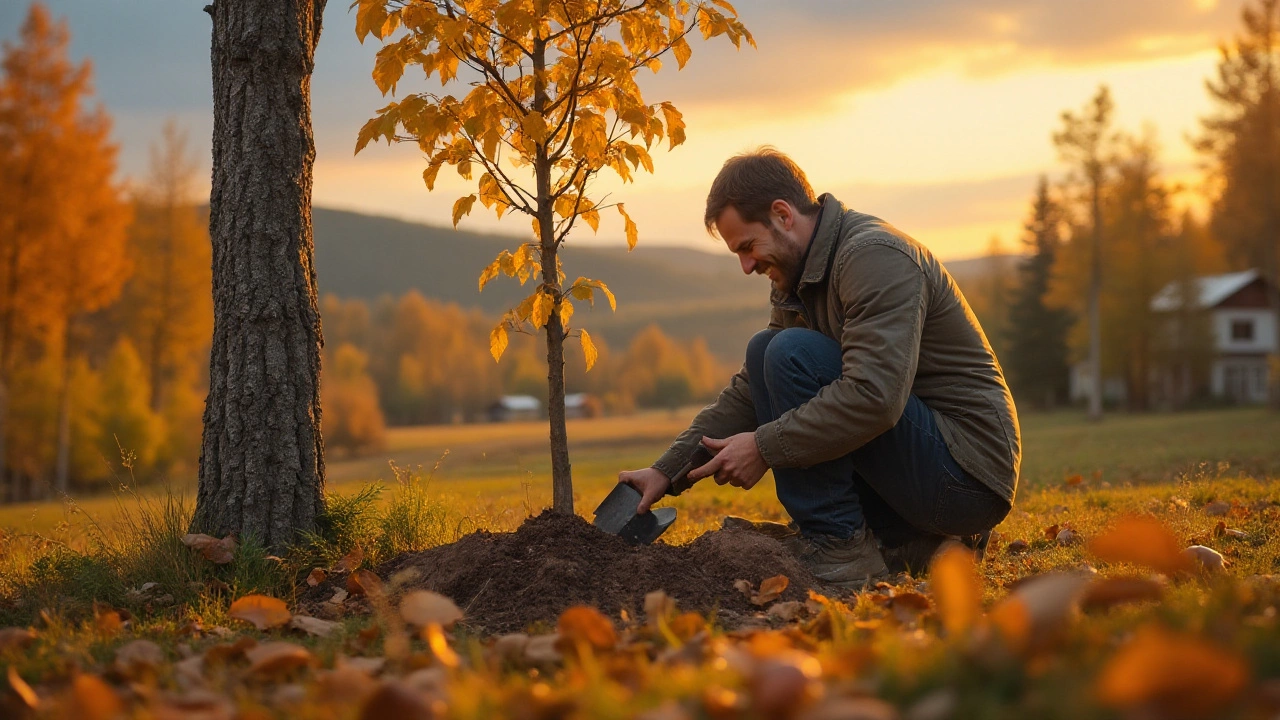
(701, 456)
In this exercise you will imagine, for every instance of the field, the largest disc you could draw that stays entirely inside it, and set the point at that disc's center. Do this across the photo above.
(965, 642)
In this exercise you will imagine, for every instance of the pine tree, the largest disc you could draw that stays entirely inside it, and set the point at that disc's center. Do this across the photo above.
(1036, 358)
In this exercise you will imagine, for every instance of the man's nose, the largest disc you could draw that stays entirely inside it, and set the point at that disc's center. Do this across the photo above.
(748, 264)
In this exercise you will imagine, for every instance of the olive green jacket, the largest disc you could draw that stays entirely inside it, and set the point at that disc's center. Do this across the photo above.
(904, 329)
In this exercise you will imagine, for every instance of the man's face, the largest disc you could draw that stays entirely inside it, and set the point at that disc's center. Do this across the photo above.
(762, 249)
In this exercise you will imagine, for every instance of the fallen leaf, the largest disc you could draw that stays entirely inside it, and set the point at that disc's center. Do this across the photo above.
(541, 650)
(510, 648)
(745, 587)
(138, 659)
(196, 705)
(850, 708)
(350, 561)
(1221, 530)
(1039, 610)
(1141, 541)
(659, 606)
(274, 659)
(345, 685)
(1217, 508)
(93, 699)
(107, 621)
(339, 597)
(1205, 558)
(364, 582)
(224, 652)
(1067, 536)
(1176, 675)
(786, 611)
(316, 576)
(582, 625)
(1074, 480)
(423, 607)
(12, 638)
(393, 699)
(1051, 532)
(955, 589)
(439, 644)
(24, 691)
(770, 589)
(261, 611)
(1017, 546)
(366, 665)
(687, 625)
(780, 687)
(1106, 593)
(189, 672)
(909, 606)
(313, 625)
(219, 552)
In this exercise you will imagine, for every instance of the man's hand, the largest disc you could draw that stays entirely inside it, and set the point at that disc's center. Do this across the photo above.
(650, 483)
(737, 462)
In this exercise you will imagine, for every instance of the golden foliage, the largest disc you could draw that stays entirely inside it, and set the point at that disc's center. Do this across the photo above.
(260, 611)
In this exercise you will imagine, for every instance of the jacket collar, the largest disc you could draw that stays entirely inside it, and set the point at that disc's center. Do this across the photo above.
(818, 259)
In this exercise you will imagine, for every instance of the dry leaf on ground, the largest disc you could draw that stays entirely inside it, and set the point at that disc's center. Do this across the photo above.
(423, 607)
(316, 576)
(770, 589)
(261, 611)
(1205, 558)
(364, 582)
(658, 605)
(1141, 541)
(217, 551)
(955, 589)
(274, 659)
(1178, 676)
(1036, 613)
(1105, 593)
(313, 625)
(93, 699)
(393, 699)
(350, 561)
(583, 625)
(138, 659)
(23, 690)
(12, 638)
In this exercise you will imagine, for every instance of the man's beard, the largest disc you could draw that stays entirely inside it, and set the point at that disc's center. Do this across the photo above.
(787, 262)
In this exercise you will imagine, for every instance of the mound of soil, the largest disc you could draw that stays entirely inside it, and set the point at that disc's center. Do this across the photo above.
(508, 581)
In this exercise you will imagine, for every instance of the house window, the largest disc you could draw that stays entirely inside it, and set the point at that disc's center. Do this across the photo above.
(1241, 329)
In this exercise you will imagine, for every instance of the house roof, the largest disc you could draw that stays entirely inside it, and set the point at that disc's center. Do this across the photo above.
(1213, 289)
(520, 402)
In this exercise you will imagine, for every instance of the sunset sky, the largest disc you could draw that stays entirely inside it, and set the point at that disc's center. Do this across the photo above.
(933, 114)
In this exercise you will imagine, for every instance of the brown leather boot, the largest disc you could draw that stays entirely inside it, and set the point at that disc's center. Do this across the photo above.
(853, 563)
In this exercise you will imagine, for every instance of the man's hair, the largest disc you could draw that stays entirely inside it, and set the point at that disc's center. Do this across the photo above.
(750, 182)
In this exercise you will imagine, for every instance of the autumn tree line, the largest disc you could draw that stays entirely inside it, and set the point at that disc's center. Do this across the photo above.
(1099, 244)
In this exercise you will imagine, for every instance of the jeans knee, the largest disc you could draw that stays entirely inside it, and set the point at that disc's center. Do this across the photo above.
(757, 347)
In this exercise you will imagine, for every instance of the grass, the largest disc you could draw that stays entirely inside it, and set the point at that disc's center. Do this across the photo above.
(63, 565)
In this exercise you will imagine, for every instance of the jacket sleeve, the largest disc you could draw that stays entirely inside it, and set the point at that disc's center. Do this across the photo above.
(730, 414)
(882, 295)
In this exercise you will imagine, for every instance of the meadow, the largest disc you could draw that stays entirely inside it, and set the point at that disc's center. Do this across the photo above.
(1051, 624)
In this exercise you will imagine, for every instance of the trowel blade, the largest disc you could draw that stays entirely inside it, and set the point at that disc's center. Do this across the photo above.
(618, 508)
(617, 515)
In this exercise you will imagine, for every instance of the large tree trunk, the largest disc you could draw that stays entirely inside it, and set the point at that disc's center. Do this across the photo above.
(262, 462)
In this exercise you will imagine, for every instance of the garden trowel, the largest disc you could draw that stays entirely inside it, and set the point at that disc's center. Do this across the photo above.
(617, 514)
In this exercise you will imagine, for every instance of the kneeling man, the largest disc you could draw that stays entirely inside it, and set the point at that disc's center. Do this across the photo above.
(873, 394)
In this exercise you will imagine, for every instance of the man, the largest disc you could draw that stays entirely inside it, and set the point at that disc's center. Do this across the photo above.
(873, 394)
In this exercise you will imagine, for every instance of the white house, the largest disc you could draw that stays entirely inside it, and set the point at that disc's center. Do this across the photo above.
(1242, 326)
(509, 408)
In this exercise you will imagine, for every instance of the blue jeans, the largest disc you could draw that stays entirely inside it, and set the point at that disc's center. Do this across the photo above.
(902, 484)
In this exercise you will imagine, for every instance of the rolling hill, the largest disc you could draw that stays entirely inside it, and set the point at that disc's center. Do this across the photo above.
(687, 292)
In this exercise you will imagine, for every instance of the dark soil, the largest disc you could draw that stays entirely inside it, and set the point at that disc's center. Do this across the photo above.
(505, 582)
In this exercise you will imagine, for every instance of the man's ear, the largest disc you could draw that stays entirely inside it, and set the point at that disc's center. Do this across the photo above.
(784, 211)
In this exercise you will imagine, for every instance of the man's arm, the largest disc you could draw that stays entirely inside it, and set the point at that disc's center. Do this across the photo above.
(731, 413)
(883, 296)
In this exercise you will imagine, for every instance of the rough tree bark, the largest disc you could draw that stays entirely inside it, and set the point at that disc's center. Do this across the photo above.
(262, 461)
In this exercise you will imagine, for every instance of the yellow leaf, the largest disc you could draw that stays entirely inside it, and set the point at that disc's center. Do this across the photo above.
(93, 699)
(955, 588)
(1142, 541)
(261, 611)
(725, 5)
(542, 308)
(675, 124)
(566, 312)
(589, 350)
(770, 589)
(364, 582)
(613, 302)
(582, 290)
(435, 638)
(632, 232)
(462, 207)
(593, 219)
(1174, 675)
(535, 126)
(498, 341)
(429, 175)
(490, 273)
